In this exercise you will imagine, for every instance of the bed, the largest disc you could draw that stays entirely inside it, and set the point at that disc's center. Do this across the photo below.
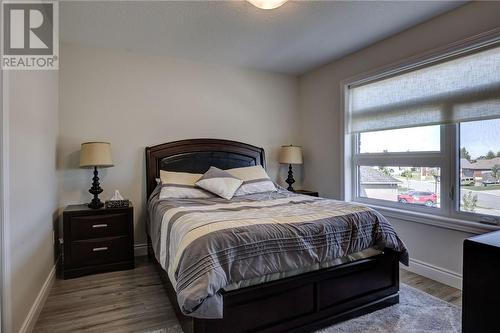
(296, 300)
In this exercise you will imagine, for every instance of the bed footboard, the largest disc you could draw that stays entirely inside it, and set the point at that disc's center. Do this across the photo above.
(302, 303)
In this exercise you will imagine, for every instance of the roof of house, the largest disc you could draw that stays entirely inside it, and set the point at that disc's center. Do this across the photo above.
(484, 164)
(370, 175)
(465, 164)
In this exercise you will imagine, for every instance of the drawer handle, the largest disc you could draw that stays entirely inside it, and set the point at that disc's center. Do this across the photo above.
(100, 226)
(97, 249)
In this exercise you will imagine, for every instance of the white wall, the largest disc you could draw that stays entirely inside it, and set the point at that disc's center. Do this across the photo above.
(134, 101)
(32, 107)
(320, 117)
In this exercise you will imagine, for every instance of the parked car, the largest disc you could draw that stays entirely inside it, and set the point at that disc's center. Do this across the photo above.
(488, 179)
(490, 182)
(418, 197)
(467, 181)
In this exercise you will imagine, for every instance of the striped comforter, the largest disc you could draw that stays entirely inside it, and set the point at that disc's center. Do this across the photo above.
(207, 244)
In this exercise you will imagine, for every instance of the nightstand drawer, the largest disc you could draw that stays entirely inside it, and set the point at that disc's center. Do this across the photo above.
(99, 226)
(101, 251)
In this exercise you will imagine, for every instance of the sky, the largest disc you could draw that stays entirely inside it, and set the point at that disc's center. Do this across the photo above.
(478, 137)
(407, 139)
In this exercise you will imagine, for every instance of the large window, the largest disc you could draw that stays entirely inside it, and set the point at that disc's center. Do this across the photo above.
(427, 139)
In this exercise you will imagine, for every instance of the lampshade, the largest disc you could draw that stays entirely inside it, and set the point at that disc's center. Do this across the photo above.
(291, 155)
(95, 154)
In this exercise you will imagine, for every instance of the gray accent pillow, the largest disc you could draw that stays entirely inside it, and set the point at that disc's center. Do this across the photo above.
(219, 182)
(255, 180)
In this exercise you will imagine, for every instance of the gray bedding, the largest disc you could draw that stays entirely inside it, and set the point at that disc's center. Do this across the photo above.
(206, 245)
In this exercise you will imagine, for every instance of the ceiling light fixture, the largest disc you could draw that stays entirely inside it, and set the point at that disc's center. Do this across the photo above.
(267, 4)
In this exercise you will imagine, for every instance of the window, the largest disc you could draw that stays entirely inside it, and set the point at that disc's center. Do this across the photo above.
(480, 167)
(414, 139)
(405, 185)
(426, 138)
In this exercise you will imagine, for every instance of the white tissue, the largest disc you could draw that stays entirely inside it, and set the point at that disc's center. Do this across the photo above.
(117, 196)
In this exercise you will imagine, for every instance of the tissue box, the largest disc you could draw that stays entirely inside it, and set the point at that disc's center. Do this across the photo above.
(117, 203)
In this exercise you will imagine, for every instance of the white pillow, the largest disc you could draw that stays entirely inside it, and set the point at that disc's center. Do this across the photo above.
(219, 182)
(255, 180)
(181, 185)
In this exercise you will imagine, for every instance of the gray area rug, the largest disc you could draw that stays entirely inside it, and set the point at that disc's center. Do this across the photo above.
(417, 312)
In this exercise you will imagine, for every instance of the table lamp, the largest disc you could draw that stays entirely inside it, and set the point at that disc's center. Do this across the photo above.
(95, 154)
(290, 155)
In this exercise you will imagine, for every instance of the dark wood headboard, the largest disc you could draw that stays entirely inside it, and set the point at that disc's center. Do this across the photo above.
(197, 155)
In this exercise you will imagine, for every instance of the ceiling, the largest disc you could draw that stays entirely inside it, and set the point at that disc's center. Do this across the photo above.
(292, 39)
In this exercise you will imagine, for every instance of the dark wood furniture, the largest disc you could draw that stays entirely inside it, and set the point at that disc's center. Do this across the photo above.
(300, 303)
(97, 240)
(307, 192)
(481, 288)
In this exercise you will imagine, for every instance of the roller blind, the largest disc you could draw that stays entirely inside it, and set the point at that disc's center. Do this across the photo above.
(462, 89)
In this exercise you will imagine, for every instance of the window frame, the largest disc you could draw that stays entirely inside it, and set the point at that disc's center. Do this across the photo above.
(404, 159)
(448, 215)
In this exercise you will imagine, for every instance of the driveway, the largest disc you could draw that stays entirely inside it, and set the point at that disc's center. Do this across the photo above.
(419, 185)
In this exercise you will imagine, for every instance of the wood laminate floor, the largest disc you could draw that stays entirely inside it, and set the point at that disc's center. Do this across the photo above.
(135, 301)
(439, 290)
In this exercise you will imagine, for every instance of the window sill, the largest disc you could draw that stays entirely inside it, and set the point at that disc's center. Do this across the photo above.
(436, 221)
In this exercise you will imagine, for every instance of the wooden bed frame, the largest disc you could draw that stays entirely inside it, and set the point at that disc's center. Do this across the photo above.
(301, 303)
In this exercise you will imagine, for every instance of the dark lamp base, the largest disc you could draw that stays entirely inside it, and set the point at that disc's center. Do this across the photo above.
(96, 203)
(290, 179)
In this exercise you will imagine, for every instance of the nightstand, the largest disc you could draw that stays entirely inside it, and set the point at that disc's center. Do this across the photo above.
(97, 240)
(306, 192)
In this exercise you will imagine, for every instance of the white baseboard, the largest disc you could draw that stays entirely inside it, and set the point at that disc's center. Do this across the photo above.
(436, 273)
(36, 308)
(140, 250)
